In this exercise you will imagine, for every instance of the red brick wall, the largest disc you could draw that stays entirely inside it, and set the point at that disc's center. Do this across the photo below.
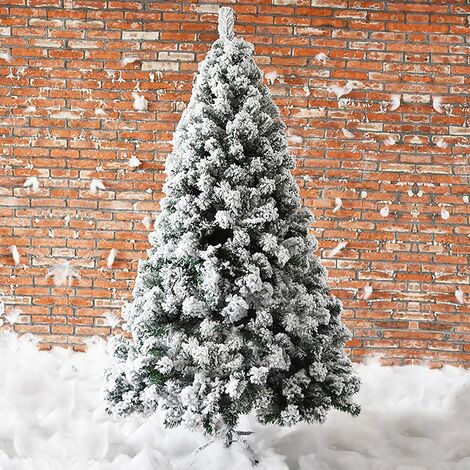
(67, 117)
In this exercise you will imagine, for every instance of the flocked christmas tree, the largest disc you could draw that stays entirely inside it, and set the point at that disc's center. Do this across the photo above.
(231, 310)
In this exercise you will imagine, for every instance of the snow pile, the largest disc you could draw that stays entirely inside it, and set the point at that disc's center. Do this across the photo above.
(52, 417)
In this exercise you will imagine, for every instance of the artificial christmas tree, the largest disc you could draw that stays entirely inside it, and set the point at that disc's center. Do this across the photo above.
(231, 310)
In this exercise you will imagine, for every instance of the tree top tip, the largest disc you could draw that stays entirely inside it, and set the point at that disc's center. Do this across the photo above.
(226, 23)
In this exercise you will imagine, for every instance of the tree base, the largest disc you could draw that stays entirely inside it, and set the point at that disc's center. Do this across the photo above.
(230, 438)
(238, 436)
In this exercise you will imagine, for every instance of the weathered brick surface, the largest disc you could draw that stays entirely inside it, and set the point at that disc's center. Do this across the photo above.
(67, 117)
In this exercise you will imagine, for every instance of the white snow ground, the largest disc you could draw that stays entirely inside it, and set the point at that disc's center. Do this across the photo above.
(52, 418)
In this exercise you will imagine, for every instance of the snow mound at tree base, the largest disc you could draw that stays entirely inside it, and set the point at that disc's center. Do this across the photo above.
(52, 418)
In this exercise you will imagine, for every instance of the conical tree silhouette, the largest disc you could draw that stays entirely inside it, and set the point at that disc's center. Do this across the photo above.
(231, 310)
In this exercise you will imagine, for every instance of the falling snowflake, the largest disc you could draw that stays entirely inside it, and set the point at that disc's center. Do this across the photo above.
(459, 296)
(340, 91)
(155, 76)
(63, 274)
(13, 317)
(295, 139)
(320, 57)
(30, 109)
(129, 60)
(338, 204)
(348, 134)
(140, 103)
(15, 254)
(337, 249)
(147, 221)
(5, 56)
(271, 77)
(437, 104)
(134, 162)
(415, 190)
(367, 292)
(385, 211)
(96, 185)
(112, 320)
(111, 257)
(395, 103)
(444, 213)
(32, 182)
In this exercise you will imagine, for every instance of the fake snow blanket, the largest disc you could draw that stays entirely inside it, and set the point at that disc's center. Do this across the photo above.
(52, 417)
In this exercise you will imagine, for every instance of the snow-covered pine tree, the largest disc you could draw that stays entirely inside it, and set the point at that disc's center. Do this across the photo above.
(231, 310)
